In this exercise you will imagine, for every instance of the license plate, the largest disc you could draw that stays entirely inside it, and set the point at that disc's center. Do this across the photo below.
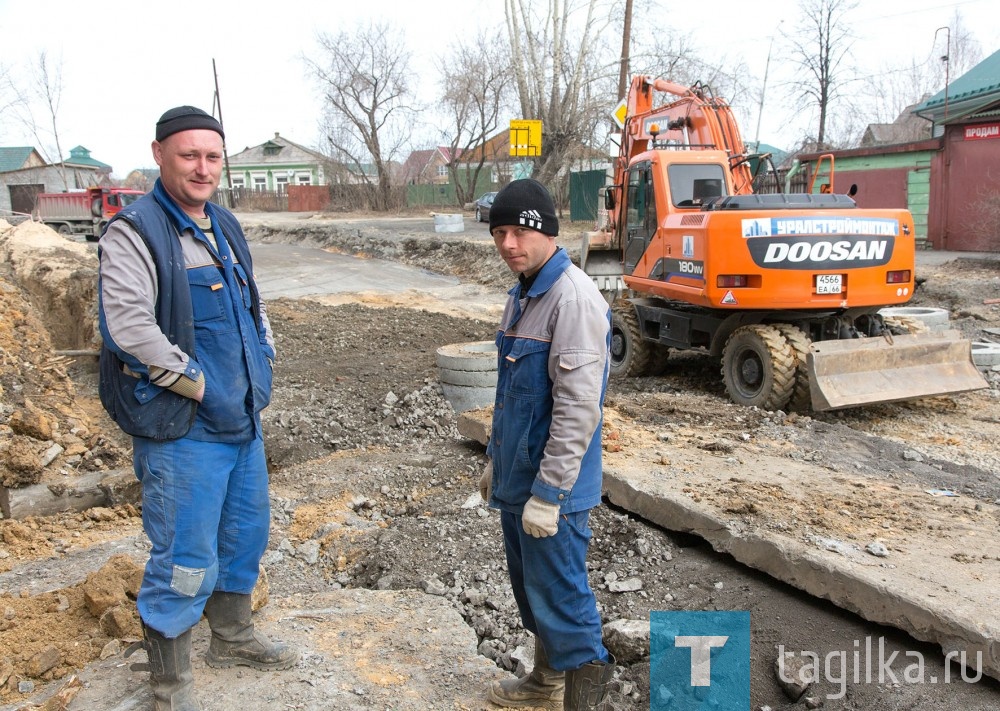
(829, 283)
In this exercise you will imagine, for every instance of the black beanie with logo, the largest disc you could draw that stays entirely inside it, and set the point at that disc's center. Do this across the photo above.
(525, 203)
(185, 118)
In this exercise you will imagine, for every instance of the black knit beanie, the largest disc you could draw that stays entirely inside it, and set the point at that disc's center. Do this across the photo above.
(185, 118)
(526, 203)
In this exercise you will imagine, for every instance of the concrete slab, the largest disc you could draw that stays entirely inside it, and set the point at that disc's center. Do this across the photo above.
(891, 552)
(360, 649)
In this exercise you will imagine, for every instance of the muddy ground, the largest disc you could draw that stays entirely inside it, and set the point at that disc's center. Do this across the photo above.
(373, 487)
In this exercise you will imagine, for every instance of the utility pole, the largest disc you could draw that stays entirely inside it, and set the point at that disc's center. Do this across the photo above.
(217, 103)
(944, 58)
(626, 38)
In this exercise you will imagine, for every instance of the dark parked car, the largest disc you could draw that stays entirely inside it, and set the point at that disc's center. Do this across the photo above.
(483, 205)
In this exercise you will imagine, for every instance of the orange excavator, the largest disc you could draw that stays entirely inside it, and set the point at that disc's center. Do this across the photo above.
(786, 289)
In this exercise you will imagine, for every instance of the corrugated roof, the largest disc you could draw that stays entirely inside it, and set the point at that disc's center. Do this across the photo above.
(81, 156)
(981, 81)
(14, 157)
(276, 151)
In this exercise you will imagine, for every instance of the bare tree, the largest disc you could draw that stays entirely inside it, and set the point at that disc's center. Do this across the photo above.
(41, 94)
(365, 79)
(956, 51)
(477, 87)
(672, 56)
(565, 74)
(891, 89)
(8, 92)
(821, 42)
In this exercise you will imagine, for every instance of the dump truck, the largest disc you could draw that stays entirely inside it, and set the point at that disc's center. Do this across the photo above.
(84, 212)
(785, 289)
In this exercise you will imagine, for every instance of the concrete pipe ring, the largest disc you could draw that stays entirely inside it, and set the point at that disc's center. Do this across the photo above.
(449, 222)
(468, 374)
(469, 378)
(475, 355)
(934, 318)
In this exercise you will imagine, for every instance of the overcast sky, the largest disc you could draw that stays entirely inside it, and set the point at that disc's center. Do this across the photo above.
(123, 64)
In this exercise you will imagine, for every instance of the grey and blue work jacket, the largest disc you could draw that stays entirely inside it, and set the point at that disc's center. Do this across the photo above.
(173, 300)
(552, 375)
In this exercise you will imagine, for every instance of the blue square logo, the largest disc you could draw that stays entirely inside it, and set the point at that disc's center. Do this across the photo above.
(699, 661)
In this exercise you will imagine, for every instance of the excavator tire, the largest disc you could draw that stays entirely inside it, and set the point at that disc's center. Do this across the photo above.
(801, 399)
(902, 325)
(758, 367)
(630, 355)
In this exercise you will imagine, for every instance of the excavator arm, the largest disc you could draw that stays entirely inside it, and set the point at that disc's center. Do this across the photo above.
(695, 120)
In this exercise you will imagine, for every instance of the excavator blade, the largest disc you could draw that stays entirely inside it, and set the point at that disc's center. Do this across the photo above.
(862, 371)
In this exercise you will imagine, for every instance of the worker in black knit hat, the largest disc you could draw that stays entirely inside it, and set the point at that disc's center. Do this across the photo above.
(544, 455)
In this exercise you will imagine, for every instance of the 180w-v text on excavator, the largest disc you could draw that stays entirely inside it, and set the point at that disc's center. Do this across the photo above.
(785, 288)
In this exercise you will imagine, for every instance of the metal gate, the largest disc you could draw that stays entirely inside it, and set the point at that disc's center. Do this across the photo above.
(584, 187)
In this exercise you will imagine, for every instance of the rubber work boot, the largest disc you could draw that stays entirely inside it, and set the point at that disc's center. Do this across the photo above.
(170, 671)
(236, 642)
(542, 688)
(588, 687)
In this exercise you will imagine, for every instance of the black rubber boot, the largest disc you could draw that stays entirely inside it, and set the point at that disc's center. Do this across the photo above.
(588, 687)
(170, 671)
(236, 642)
(542, 688)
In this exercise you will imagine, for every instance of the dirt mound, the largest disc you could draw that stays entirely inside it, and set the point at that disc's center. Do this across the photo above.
(47, 302)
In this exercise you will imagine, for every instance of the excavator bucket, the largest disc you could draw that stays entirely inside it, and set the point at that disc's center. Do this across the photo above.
(604, 265)
(862, 371)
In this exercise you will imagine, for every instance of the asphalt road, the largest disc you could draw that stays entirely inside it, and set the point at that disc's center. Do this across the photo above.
(295, 271)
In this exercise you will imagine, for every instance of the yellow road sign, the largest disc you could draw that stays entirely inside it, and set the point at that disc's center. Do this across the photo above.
(525, 137)
(620, 112)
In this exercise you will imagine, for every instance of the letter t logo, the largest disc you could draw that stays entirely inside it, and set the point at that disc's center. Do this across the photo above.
(701, 656)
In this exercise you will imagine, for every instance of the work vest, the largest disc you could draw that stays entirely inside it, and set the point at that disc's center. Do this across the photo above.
(165, 415)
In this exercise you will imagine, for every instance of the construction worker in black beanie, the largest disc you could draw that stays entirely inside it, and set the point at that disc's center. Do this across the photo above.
(544, 468)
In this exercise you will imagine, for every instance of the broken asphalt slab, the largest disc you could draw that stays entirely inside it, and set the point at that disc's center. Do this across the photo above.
(890, 552)
(360, 649)
(895, 553)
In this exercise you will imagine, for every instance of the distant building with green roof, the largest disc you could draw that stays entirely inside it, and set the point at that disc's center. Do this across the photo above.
(973, 96)
(24, 173)
(79, 157)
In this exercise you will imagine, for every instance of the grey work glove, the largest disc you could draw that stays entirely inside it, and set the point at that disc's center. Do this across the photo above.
(540, 518)
(486, 481)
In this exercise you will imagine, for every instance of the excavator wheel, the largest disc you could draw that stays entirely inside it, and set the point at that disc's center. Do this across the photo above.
(902, 325)
(758, 367)
(801, 399)
(630, 355)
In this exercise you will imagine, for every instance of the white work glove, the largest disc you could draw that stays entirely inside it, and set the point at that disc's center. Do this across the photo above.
(486, 482)
(540, 518)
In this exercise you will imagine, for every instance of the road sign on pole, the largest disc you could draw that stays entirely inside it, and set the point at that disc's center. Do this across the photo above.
(525, 138)
(620, 112)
